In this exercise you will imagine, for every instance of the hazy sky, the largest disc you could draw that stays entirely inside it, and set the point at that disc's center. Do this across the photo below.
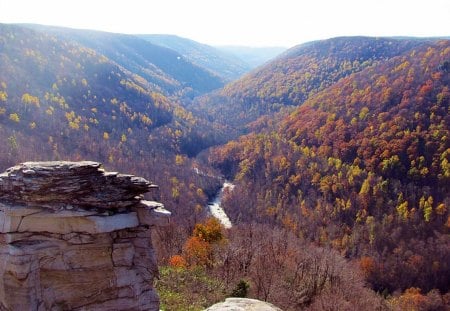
(240, 22)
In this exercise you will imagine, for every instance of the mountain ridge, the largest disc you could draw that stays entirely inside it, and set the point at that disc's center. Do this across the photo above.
(361, 166)
(165, 68)
(297, 74)
(222, 64)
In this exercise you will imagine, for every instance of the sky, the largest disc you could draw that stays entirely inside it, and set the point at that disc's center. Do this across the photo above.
(240, 22)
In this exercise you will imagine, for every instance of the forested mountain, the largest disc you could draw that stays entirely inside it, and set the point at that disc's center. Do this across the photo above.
(62, 100)
(363, 165)
(299, 73)
(166, 69)
(223, 64)
(348, 184)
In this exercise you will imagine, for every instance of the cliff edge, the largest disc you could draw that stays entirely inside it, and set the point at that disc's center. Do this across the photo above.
(75, 237)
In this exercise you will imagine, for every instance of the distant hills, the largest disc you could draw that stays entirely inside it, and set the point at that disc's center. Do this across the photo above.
(223, 64)
(253, 56)
(297, 74)
(230, 62)
(174, 64)
(169, 71)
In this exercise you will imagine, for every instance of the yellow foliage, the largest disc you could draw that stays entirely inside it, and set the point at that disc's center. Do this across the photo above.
(441, 209)
(402, 210)
(365, 187)
(210, 232)
(28, 99)
(14, 117)
(175, 193)
(3, 96)
(179, 159)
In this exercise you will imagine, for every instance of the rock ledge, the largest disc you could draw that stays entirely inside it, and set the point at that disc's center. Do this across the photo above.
(243, 304)
(74, 237)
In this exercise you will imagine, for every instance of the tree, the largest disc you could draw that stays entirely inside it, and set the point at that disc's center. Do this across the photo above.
(241, 289)
(197, 252)
(14, 117)
(210, 231)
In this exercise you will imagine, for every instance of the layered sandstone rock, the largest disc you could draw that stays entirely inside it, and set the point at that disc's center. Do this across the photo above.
(74, 237)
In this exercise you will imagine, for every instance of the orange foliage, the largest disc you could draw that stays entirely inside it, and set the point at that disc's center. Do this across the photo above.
(197, 252)
(177, 261)
(367, 265)
(412, 300)
(199, 248)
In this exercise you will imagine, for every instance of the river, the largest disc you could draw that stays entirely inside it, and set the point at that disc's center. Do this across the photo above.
(215, 209)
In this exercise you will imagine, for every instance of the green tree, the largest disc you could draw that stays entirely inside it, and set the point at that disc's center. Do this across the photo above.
(241, 289)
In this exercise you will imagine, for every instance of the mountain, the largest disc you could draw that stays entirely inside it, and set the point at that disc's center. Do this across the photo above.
(344, 174)
(363, 164)
(222, 64)
(62, 100)
(297, 74)
(166, 69)
(253, 56)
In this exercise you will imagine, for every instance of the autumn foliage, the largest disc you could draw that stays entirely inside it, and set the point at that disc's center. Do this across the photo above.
(201, 247)
(361, 166)
(211, 231)
(177, 261)
(346, 155)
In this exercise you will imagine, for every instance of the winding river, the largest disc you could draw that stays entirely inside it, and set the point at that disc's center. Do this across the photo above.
(216, 210)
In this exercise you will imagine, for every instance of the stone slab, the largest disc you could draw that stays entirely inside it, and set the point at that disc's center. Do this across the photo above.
(64, 223)
(152, 213)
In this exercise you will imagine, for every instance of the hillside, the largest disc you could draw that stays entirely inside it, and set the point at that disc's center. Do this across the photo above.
(222, 64)
(62, 100)
(169, 71)
(296, 75)
(362, 166)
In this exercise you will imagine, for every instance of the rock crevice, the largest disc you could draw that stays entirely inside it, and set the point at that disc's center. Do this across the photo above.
(74, 237)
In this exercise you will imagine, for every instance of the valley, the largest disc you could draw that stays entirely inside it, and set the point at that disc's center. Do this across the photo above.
(336, 155)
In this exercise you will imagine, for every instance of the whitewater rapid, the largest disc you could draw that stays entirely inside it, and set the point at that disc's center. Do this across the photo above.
(215, 208)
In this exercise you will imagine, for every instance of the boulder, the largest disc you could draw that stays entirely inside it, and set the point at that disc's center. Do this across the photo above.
(74, 237)
(242, 304)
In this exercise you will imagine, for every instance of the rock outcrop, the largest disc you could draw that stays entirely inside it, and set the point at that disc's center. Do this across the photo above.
(242, 304)
(74, 237)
